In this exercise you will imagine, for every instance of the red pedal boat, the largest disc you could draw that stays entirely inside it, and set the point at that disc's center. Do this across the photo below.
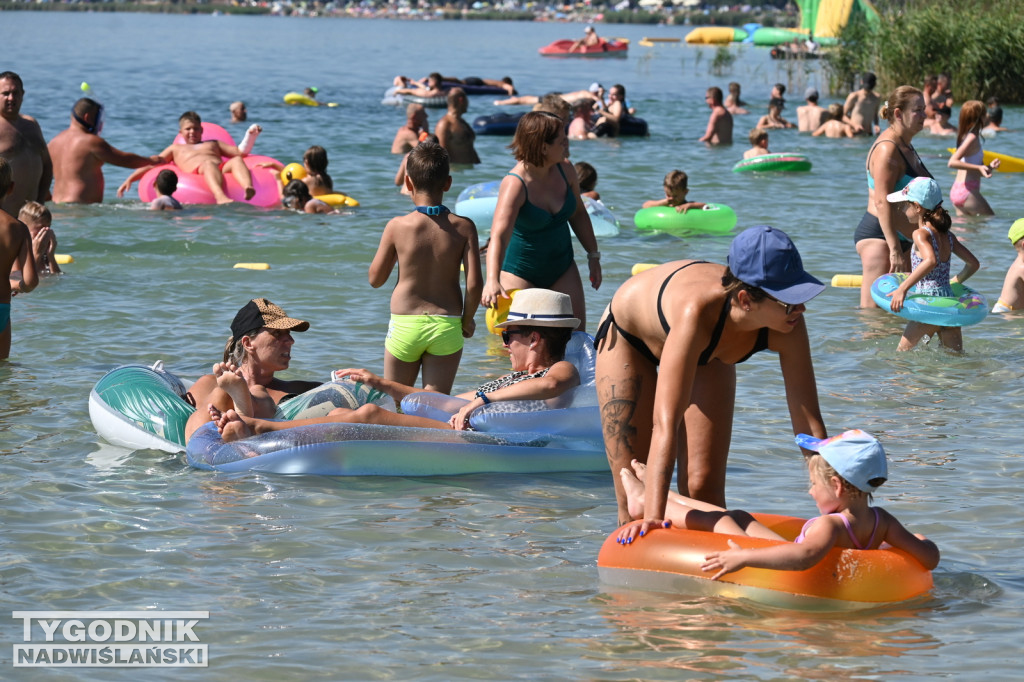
(615, 47)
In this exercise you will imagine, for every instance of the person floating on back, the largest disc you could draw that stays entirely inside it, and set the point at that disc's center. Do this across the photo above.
(430, 316)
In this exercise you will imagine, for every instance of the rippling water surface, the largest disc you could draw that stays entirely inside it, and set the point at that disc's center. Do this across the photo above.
(477, 577)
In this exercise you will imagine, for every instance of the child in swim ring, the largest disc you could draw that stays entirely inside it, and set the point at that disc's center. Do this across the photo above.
(38, 220)
(844, 471)
(930, 259)
(675, 193)
(1011, 298)
(758, 143)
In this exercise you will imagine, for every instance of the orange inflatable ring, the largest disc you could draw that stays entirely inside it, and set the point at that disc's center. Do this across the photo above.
(669, 560)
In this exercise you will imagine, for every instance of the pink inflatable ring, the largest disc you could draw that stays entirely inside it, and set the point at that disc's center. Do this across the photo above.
(192, 187)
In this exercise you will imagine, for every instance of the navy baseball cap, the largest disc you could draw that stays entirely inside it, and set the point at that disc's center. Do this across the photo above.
(767, 258)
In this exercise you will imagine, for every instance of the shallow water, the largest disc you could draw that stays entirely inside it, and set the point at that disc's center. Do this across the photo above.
(478, 576)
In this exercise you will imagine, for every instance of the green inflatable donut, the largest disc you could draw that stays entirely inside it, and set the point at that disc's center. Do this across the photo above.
(783, 162)
(712, 219)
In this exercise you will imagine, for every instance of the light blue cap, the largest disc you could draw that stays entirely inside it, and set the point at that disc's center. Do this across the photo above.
(854, 454)
(922, 191)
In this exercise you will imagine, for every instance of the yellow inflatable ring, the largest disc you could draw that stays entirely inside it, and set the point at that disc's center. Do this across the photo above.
(337, 199)
(669, 560)
(293, 171)
(299, 98)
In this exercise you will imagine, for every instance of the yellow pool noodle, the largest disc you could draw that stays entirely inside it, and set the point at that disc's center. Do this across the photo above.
(848, 281)
(63, 258)
(640, 267)
(253, 266)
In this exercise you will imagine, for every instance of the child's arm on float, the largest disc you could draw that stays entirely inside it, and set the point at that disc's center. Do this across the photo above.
(791, 556)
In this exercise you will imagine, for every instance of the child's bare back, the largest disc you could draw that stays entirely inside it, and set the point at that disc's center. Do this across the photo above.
(430, 251)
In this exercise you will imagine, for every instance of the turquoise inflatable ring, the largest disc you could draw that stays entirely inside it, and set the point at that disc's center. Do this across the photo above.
(964, 308)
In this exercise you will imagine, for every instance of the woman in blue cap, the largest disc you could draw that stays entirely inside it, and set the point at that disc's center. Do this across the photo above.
(667, 348)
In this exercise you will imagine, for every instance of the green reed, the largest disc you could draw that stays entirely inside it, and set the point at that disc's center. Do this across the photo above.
(978, 44)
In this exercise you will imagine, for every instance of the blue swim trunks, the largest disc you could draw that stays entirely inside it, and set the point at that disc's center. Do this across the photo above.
(411, 336)
(5, 316)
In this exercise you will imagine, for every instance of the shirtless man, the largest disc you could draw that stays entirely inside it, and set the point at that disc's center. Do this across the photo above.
(204, 158)
(15, 254)
(78, 155)
(810, 116)
(589, 39)
(719, 122)
(861, 108)
(611, 112)
(23, 146)
(453, 133)
(408, 136)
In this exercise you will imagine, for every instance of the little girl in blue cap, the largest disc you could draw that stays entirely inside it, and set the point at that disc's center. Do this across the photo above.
(844, 471)
(930, 259)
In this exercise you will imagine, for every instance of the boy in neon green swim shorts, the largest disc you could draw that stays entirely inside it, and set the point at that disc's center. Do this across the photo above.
(430, 315)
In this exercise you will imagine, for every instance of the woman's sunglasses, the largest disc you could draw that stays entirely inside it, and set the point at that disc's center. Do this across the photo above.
(506, 335)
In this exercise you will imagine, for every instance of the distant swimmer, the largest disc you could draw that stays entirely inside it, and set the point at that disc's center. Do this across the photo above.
(810, 116)
(78, 155)
(530, 100)
(861, 107)
(410, 134)
(719, 129)
(453, 133)
(733, 102)
(23, 146)
(773, 119)
(612, 113)
(834, 125)
(238, 112)
(503, 83)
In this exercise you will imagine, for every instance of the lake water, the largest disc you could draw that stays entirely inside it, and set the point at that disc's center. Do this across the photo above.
(476, 577)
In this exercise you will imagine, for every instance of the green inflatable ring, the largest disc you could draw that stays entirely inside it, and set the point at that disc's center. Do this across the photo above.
(712, 219)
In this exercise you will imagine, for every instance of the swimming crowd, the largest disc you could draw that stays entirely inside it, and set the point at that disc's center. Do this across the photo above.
(667, 344)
